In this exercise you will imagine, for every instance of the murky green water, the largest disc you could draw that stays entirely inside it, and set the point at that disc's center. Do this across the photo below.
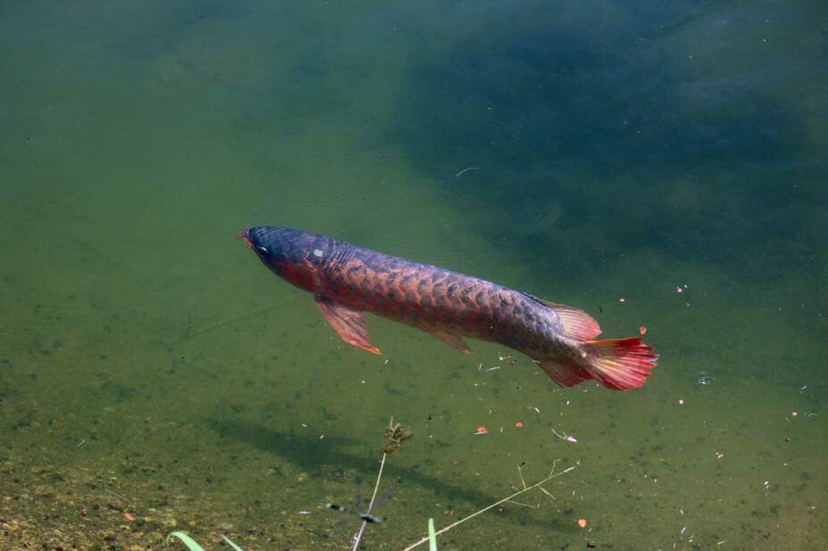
(584, 152)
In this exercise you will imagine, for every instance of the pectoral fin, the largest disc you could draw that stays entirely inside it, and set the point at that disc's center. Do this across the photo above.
(452, 340)
(349, 324)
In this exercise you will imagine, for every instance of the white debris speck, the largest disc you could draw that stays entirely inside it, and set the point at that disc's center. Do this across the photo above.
(318, 253)
(565, 436)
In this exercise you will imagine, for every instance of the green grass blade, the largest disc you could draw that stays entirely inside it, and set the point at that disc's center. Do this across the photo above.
(231, 544)
(432, 538)
(188, 541)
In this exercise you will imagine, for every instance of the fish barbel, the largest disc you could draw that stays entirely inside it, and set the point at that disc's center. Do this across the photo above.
(347, 281)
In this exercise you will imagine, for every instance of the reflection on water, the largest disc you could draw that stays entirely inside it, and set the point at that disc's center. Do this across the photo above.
(670, 156)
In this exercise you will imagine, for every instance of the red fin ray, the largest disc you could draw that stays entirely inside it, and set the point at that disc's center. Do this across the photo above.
(349, 324)
(620, 364)
(565, 374)
(452, 340)
(577, 324)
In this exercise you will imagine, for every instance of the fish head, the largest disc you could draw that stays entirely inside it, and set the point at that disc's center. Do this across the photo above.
(290, 254)
(261, 241)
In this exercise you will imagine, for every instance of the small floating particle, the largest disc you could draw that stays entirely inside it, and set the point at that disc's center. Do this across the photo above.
(679, 289)
(719, 455)
(642, 330)
(519, 424)
(130, 517)
(794, 413)
(681, 401)
(622, 300)
(582, 522)
(481, 430)
(466, 170)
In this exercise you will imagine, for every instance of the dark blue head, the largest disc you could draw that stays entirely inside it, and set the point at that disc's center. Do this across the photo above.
(266, 242)
(295, 255)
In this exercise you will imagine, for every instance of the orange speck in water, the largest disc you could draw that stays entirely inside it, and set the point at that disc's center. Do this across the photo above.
(582, 522)
(519, 424)
(642, 330)
(481, 430)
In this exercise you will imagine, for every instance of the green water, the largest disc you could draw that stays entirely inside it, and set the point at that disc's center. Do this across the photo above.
(620, 150)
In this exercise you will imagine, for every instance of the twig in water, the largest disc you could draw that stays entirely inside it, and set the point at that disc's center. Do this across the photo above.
(544, 490)
(116, 494)
(466, 170)
(395, 435)
(513, 502)
(565, 436)
(495, 504)
(370, 505)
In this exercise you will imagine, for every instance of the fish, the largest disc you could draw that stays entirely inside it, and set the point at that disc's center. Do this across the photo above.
(347, 281)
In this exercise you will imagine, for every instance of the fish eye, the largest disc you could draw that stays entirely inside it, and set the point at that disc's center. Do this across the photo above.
(262, 250)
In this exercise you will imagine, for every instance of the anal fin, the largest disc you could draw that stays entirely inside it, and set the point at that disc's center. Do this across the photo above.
(452, 340)
(565, 373)
(349, 324)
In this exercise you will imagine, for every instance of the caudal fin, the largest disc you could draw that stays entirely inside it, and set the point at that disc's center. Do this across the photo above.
(620, 364)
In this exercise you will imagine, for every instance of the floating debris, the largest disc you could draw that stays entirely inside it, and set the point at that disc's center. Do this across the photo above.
(565, 436)
(705, 379)
(395, 435)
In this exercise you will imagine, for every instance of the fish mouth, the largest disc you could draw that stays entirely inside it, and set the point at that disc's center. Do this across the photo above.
(246, 236)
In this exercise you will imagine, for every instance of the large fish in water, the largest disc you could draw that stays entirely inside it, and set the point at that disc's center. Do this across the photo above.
(347, 281)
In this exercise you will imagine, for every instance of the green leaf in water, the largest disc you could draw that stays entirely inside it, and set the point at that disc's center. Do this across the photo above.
(188, 541)
(233, 545)
(432, 537)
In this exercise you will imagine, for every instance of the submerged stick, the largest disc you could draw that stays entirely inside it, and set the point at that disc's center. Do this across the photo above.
(370, 505)
(395, 435)
(504, 500)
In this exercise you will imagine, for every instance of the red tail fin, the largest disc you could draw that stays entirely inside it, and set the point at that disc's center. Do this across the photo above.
(620, 364)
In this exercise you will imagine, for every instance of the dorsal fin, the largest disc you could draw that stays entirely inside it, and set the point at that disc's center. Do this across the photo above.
(577, 324)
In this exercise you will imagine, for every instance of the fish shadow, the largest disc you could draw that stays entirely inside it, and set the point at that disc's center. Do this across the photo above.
(321, 457)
